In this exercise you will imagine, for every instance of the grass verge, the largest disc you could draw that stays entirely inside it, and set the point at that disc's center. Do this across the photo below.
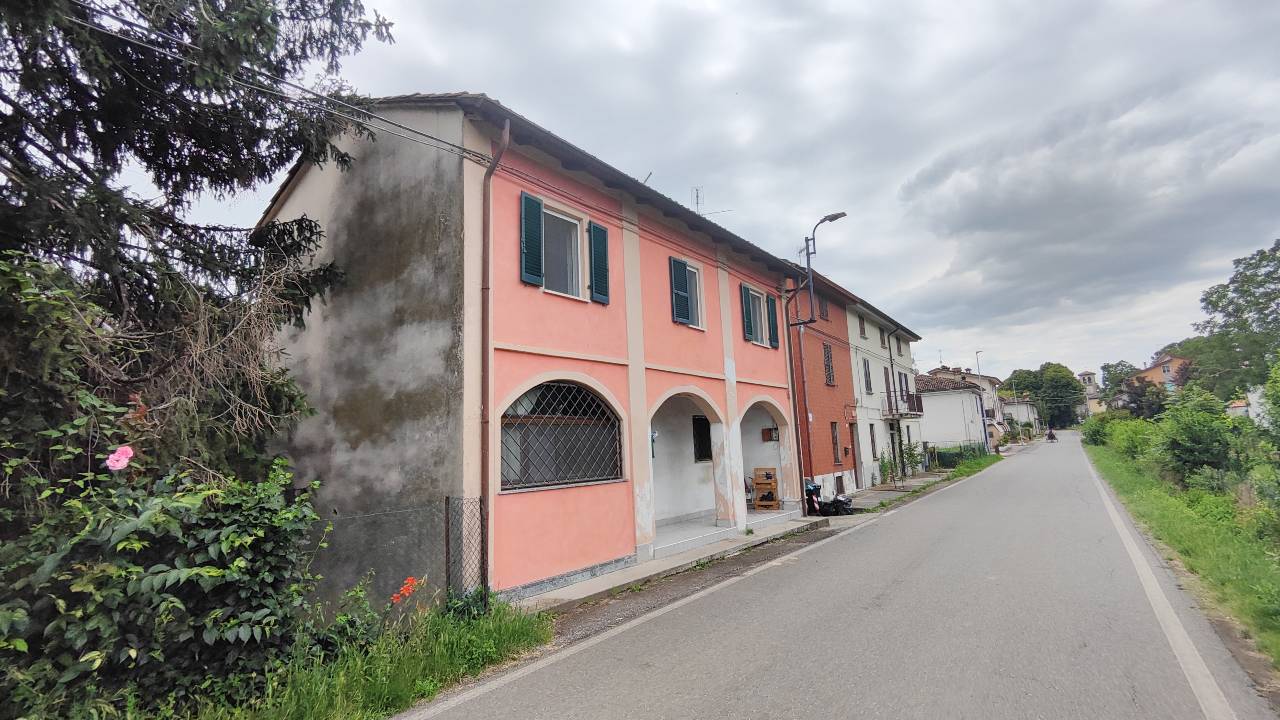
(1239, 569)
(973, 466)
(422, 655)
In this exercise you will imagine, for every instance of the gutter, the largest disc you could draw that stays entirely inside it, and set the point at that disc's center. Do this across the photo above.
(485, 342)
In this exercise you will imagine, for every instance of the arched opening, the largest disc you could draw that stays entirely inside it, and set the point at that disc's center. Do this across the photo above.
(686, 447)
(763, 461)
(559, 433)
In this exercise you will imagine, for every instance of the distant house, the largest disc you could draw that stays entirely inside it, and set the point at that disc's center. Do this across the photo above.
(1023, 410)
(953, 412)
(1167, 370)
(1238, 408)
(992, 404)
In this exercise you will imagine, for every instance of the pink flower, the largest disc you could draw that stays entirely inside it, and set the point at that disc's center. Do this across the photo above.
(119, 459)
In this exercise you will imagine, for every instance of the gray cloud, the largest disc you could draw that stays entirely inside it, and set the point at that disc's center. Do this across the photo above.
(1007, 167)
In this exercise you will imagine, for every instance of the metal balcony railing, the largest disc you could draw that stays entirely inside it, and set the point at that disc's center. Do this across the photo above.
(903, 404)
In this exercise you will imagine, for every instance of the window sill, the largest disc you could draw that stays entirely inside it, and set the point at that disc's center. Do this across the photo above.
(566, 486)
(566, 295)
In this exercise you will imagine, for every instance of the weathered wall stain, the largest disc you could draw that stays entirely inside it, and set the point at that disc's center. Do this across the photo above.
(381, 358)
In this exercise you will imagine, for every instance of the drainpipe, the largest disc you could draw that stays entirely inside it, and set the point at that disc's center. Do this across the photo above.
(804, 391)
(485, 292)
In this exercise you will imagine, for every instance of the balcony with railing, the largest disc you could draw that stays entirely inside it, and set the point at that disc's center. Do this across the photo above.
(903, 404)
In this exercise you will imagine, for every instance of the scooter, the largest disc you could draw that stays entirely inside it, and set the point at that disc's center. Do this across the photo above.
(839, 505)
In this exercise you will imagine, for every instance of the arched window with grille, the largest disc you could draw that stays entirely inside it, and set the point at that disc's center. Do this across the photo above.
(559, 433)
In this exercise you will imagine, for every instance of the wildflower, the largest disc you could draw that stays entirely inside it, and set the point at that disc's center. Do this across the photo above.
(119, 459)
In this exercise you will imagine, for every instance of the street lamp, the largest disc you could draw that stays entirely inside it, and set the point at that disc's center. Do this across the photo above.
(811, 249)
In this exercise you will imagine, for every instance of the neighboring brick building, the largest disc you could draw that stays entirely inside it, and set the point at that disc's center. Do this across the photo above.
(822, 372)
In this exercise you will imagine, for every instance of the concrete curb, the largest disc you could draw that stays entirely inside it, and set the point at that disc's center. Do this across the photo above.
(809, 524)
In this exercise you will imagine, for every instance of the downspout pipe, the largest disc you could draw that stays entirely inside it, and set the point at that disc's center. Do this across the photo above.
(485, 341)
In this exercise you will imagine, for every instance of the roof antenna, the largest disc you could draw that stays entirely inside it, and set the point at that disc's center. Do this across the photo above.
(645, 181)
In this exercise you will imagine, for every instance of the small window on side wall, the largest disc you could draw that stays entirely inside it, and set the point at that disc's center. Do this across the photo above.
(701, 439)
(824, 311)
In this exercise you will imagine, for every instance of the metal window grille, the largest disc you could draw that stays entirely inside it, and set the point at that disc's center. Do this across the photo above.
(559, 433)
(827, 364)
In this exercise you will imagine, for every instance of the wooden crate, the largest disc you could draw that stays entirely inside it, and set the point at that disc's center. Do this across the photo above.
(765, 480)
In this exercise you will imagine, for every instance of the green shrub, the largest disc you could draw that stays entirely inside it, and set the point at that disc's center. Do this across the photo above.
(1093, 431)
(156, 582)
(1194, 433)
(1133, 438)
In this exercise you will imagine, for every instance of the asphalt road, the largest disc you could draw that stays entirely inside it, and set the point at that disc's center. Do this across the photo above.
(1008, 595)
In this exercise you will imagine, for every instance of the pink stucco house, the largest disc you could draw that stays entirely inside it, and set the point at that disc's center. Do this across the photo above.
(526, 328)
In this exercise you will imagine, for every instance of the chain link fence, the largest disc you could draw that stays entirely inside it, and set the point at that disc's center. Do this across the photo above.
(464, 549)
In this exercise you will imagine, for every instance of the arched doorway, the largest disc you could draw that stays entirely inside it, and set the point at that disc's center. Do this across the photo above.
(767, 467)
(687, 459)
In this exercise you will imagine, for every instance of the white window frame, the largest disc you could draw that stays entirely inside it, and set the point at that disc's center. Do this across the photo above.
(760, 328)
(695, 299)
(583, 261)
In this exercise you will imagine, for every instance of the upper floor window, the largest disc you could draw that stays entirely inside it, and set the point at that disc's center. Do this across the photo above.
(827, 365)
(899, 341)
(686, 294)
(824, 312)
(884, 339)
(1165, 369)
(560, 250)
(552, 252)
(759, 317)
(862, 327)
(866, 376)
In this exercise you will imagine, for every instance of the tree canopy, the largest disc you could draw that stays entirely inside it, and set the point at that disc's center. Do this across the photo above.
(1055, 390)
(1249, 301)
(200, 102)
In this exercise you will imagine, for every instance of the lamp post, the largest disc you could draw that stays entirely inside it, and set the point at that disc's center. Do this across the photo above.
(804, 428)
(811, 249)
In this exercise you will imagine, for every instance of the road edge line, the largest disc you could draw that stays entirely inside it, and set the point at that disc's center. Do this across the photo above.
(1213, 702)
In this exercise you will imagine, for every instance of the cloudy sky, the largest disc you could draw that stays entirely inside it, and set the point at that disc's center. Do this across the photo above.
(1041, 180)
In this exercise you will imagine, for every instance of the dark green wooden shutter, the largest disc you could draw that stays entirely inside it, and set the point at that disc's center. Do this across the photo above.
(599, 262)
(530, 239)
(747, 331)
(680, 292)
(771, 307)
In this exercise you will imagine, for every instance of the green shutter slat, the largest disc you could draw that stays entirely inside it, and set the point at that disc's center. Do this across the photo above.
(747, 332)
(530, 239)
(771, 307)
(599, 262)
(680, 292)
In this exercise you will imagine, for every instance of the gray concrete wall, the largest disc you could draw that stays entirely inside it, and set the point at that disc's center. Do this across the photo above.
(381, 359)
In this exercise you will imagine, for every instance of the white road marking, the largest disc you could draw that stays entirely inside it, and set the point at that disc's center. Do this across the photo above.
(1212, 702)
(440, 707)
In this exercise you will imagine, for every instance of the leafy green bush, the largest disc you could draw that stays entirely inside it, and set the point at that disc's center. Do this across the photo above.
(1134, 438)
(1093, 431)
(1194, 433)
(152, 581)
(132, 559)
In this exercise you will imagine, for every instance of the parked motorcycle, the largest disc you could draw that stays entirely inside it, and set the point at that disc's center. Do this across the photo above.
(838, 505)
